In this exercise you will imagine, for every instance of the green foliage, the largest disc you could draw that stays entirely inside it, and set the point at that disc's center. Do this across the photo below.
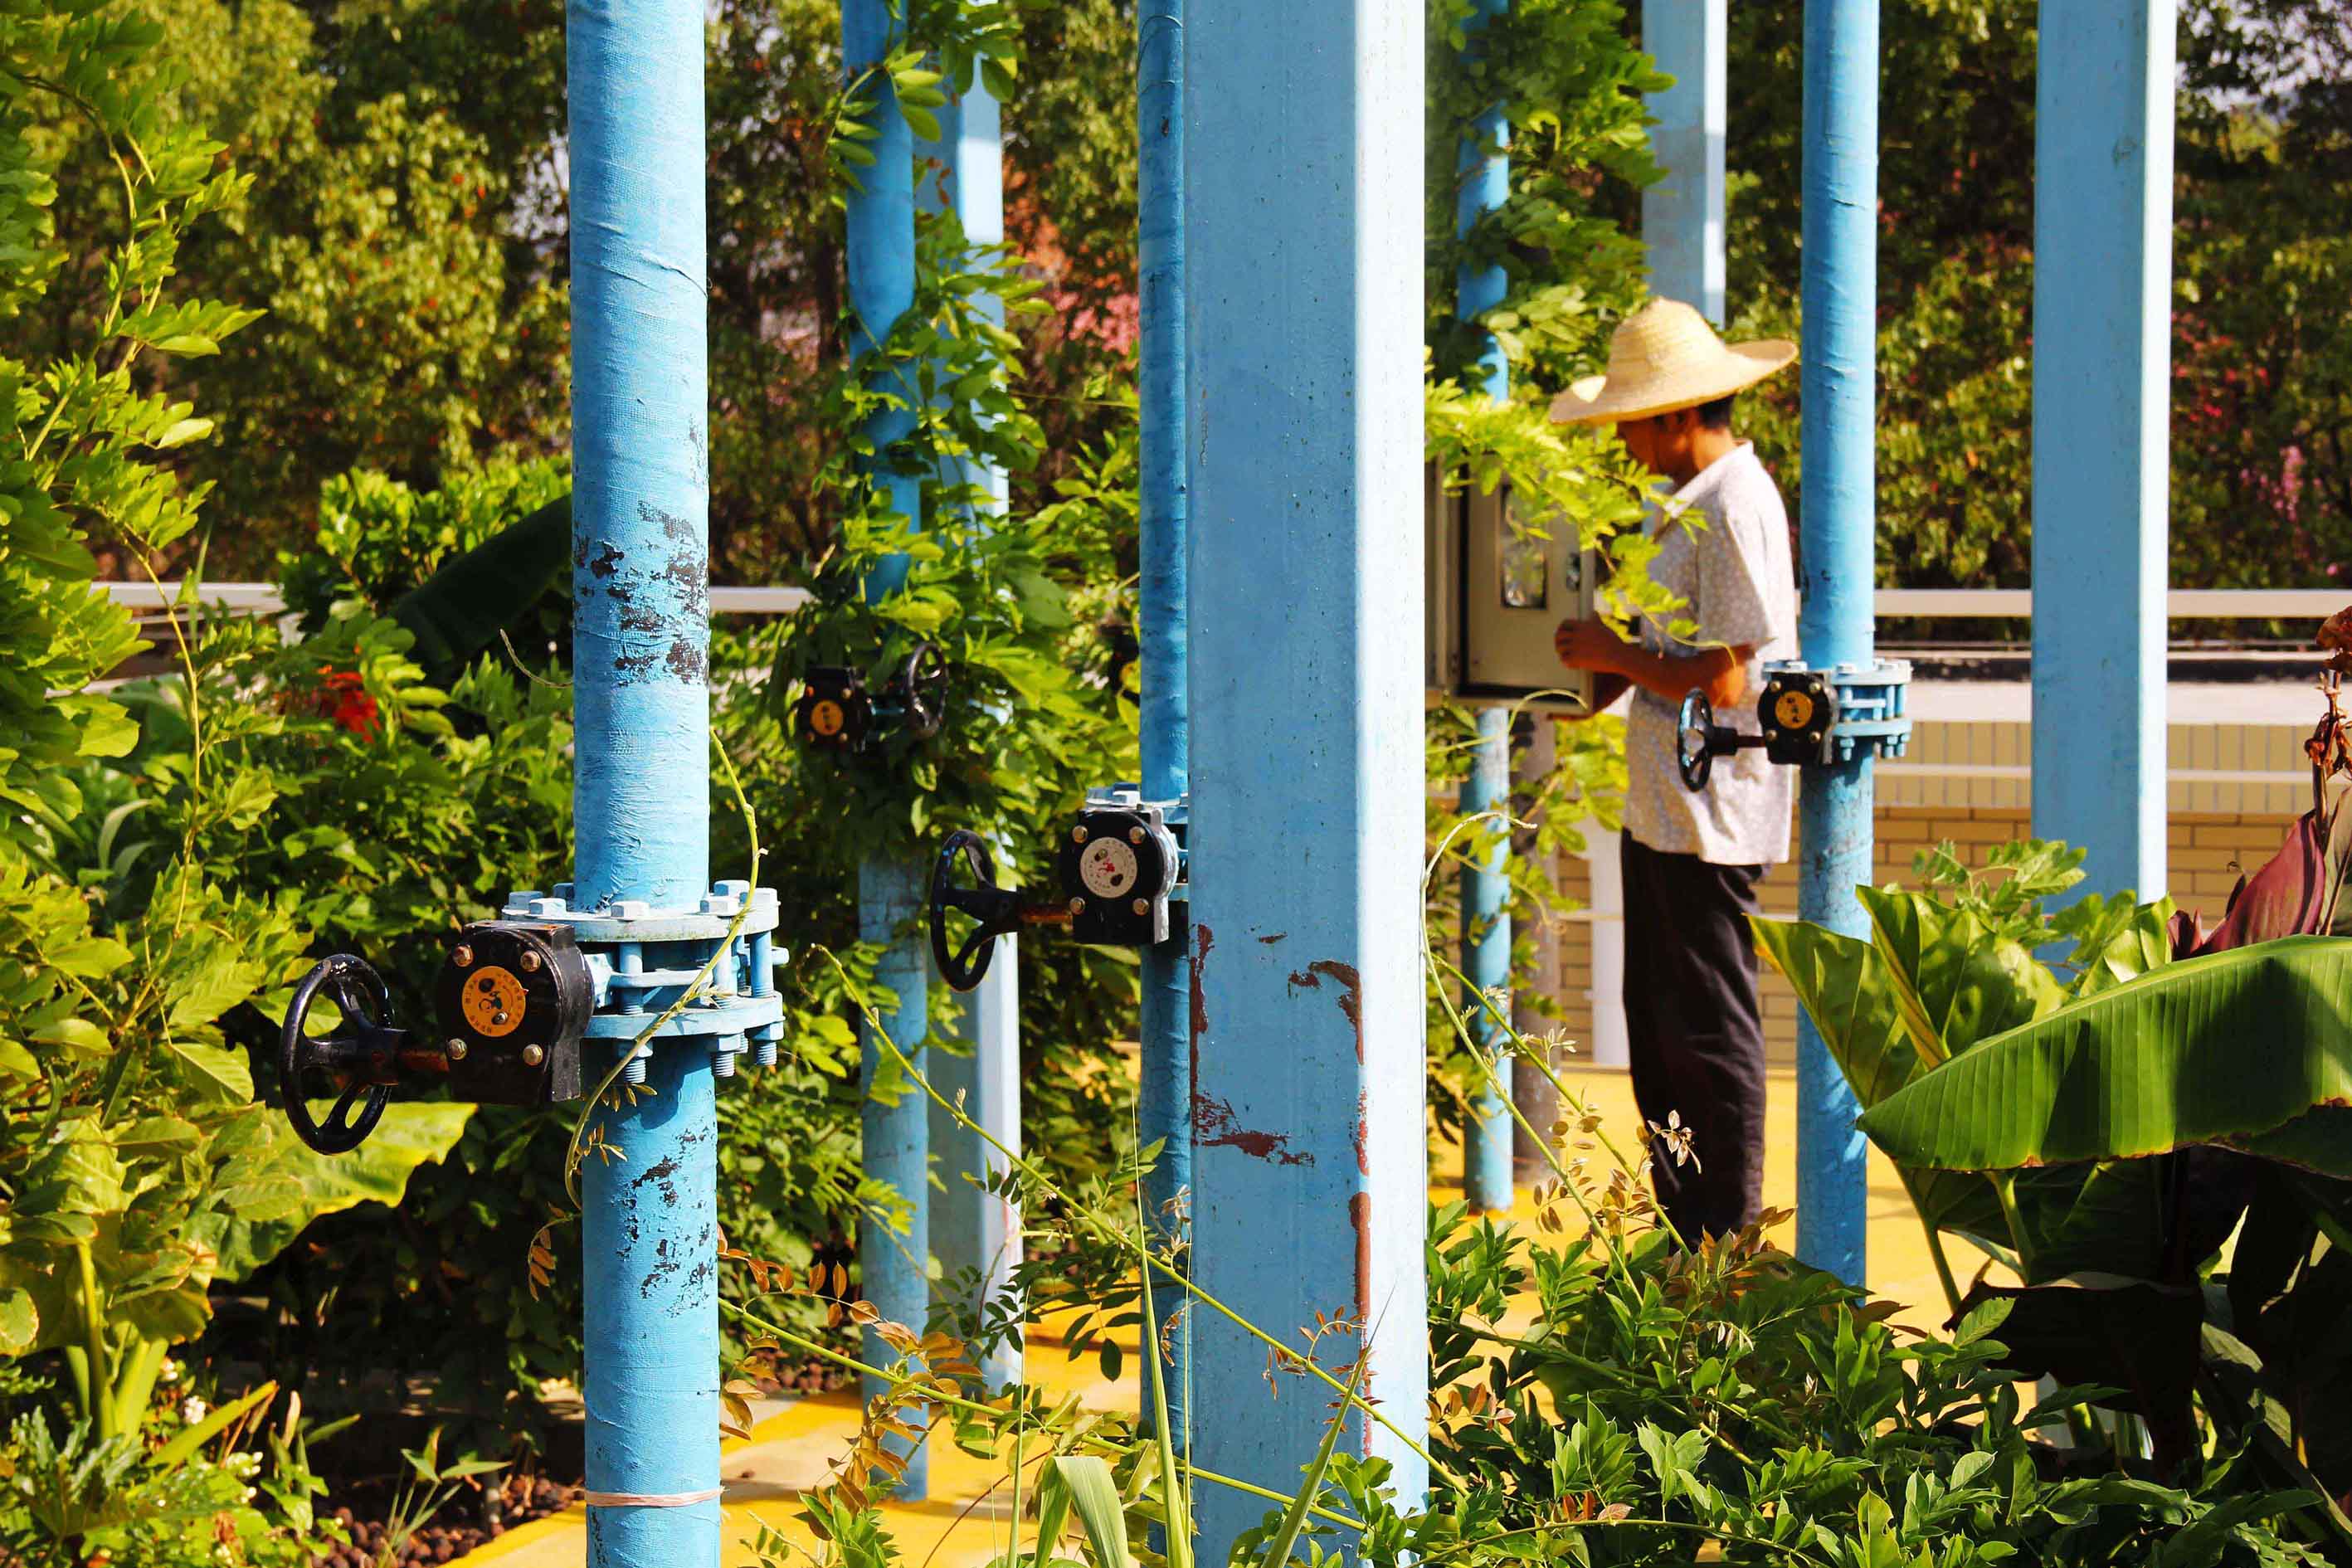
(1735, 1397)
(2260, 414)
(75, 1498)
(2102, 1131)
(1569, 82)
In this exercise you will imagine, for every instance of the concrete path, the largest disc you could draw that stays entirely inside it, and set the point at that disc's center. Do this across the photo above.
(965, 1526)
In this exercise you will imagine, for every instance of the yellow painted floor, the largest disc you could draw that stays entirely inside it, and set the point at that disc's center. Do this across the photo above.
(964, 1525)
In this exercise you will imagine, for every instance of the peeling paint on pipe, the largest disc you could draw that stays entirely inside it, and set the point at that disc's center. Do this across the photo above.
(641, 708)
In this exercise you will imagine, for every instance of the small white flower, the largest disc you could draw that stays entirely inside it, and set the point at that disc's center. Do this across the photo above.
(171, 1373)
(192, 1410)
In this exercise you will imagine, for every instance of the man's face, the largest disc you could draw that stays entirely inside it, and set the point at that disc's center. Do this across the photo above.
(1661, 443)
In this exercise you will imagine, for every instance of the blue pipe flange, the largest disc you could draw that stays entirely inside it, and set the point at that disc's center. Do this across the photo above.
(644, 958)
(1814, 715)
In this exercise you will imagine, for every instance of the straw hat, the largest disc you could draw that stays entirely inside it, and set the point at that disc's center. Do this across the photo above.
(1664, 357)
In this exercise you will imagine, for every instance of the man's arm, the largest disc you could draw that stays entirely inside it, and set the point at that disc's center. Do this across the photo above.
(1720, 672)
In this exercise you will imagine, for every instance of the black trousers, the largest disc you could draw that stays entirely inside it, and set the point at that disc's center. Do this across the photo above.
(1696, 1033)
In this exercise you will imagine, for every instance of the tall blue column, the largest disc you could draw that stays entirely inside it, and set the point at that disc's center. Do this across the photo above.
(1486, 184)
(972, 1227)
(1303, 325)
(893, 1266)
(2102, 325)
(641, 779)
(1165, 1107)
(1682, 214)
(1838, 520)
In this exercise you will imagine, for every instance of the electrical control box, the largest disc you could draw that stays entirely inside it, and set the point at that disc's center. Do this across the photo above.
(1499, 583)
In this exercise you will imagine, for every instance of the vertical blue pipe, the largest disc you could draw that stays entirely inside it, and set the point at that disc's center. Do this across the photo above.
(1682, 214)
(2102, 326)
(972, 1228)
(893, 1267)
(1485, 168)
(1304, 311)
(641, 778)
(1486, 960)
(1840, 387)
(1164, 1110)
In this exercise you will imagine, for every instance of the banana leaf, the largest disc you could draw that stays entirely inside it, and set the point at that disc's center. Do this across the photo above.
(459, 612)
(1849, 991)
(1955, 983)
(2133, 1335)
(2228, 1049)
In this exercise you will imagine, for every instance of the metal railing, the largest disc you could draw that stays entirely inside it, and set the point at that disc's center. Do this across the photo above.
(263, 598)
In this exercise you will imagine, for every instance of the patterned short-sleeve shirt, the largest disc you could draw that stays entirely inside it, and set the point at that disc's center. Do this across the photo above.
(1723, 549)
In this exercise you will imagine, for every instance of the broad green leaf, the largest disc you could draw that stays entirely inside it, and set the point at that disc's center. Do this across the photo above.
(1845, 988)
(20, 1324)
(1955, 982)
(2220, 1049)
(459, 611)
(375, 1172)
(221, 1072)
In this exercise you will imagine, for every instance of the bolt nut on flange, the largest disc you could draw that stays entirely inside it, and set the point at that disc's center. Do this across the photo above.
(457, 1049)
(463, 956)
(1078, 834)
(1078, 906)
(530, 962)
(533, 1055)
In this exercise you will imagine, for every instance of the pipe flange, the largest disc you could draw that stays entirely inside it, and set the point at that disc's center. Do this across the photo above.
(643, 959)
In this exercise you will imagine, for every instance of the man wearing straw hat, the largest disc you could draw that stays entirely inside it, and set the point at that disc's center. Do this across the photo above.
(1692, 861)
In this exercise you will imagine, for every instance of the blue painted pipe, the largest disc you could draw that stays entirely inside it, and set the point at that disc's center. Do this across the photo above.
(1304, 442)
(642, 712)
(974, 1229)
(1486, 960)
(892, 1263)
(1165, 1107)
(1486, 185)
(1682, 214)
(1840, 386)
(2102, 389)
(880, 220)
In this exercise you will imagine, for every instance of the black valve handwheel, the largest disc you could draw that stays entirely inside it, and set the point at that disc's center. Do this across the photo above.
(998, 909)
(923, 685)
(359, 1058)
(1694, 731)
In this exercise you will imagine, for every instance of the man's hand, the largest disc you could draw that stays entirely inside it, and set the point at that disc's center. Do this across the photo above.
(1589, 645)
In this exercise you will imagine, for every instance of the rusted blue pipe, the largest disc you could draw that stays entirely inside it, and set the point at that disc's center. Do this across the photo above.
(641, 709)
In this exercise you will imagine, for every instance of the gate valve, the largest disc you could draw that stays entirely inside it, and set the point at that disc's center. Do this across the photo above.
(834, 715)
(1803, 716)
(361, 1059)
(1120, 865)
(837, 714)
(999, 911)
(513, 998)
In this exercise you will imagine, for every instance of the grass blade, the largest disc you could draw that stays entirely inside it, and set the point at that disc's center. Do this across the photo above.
(1089, 1491)
(1278, 1552)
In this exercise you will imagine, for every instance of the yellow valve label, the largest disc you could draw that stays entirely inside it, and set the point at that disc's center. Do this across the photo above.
(492, 1000)
(826, 717)
(1794, 710)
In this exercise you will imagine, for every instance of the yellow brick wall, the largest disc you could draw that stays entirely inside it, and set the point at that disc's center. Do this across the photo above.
(2207, 851)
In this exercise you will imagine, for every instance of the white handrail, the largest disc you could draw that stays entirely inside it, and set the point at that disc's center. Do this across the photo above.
(263, 598)
(1978, 603)
(2180, 603)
